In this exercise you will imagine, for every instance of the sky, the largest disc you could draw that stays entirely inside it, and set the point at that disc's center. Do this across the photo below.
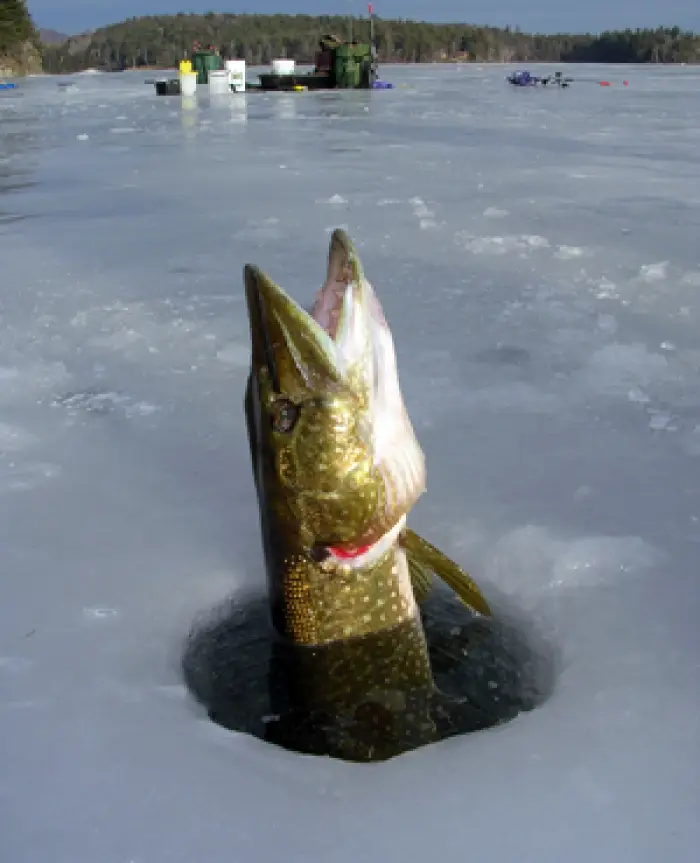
(75, 16)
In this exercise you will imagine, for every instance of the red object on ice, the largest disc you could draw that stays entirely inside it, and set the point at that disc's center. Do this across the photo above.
(625, 83)
(604, 83)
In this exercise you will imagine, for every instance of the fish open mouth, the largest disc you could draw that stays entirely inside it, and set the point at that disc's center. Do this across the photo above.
(344, 271)
(345, 335)
(350, 313)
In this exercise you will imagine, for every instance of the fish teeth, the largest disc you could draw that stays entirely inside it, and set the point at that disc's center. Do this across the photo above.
(354, 336)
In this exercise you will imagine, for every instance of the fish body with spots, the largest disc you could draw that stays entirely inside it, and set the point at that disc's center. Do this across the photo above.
(337, 469)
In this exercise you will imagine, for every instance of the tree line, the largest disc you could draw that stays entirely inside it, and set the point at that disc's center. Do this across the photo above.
(16, 27)
(162, 41)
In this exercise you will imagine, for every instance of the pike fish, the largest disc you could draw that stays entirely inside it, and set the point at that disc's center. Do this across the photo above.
(337, 469)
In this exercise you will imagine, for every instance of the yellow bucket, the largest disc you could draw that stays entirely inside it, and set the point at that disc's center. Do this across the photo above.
(185, 65)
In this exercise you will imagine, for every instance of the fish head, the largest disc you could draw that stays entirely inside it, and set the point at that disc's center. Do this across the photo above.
(340, 463)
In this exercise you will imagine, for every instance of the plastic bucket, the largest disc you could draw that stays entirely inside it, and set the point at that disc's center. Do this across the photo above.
(188, 83)
(219, 82)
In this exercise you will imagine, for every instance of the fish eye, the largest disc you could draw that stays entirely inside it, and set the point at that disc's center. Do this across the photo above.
(284, 415)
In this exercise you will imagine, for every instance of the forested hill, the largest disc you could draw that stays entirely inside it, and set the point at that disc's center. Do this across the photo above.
(19, 40)
(164, 40)
(52, 37)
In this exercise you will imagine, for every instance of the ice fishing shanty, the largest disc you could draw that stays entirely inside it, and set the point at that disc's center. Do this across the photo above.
(339, 65)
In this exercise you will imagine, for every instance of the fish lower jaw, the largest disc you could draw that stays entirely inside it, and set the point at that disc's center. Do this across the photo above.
(369, 555)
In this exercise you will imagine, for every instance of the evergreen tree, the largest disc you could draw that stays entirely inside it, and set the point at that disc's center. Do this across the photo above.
(16, 26)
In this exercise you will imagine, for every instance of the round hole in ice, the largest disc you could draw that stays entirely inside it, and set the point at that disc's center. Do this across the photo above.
(351, 701)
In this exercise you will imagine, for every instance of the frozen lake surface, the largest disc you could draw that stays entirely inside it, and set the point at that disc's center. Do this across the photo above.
(538, 257)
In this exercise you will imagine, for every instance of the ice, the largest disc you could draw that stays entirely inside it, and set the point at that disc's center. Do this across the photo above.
(565, 563)
(693, 443)
(423, 213)
(495, 213)
(568, 252)
(495, 245)
(13, 438)
(536, 254)
(660, 420)
(607, 323)
(617, 367)
(337, 200)
(654, 272)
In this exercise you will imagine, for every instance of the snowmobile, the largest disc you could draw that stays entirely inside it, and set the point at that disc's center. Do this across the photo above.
(522, 78)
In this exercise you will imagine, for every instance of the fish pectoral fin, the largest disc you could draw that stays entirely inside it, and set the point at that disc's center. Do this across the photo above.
(421, 577)
(424, 556)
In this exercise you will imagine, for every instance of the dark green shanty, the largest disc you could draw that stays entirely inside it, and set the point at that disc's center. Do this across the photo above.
(204, 62)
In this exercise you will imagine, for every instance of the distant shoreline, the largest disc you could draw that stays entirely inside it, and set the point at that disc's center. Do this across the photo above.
(395, 63)
(161, 41)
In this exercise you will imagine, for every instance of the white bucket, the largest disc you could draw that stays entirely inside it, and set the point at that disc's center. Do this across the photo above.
(218, 82)
(188, 83)
(236, 72)
(283, 67)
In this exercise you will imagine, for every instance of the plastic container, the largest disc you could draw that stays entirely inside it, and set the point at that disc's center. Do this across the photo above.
(236, 71)
(283, 66)
(185, 65)
(219, 82)
(188, 83)
(167, 87)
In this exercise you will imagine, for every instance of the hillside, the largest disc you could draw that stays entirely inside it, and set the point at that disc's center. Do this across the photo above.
(163, 40)
(19, 40)
(52, 37)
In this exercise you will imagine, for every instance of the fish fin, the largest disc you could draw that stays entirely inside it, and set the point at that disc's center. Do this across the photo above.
(421, 578)
(428, 557)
